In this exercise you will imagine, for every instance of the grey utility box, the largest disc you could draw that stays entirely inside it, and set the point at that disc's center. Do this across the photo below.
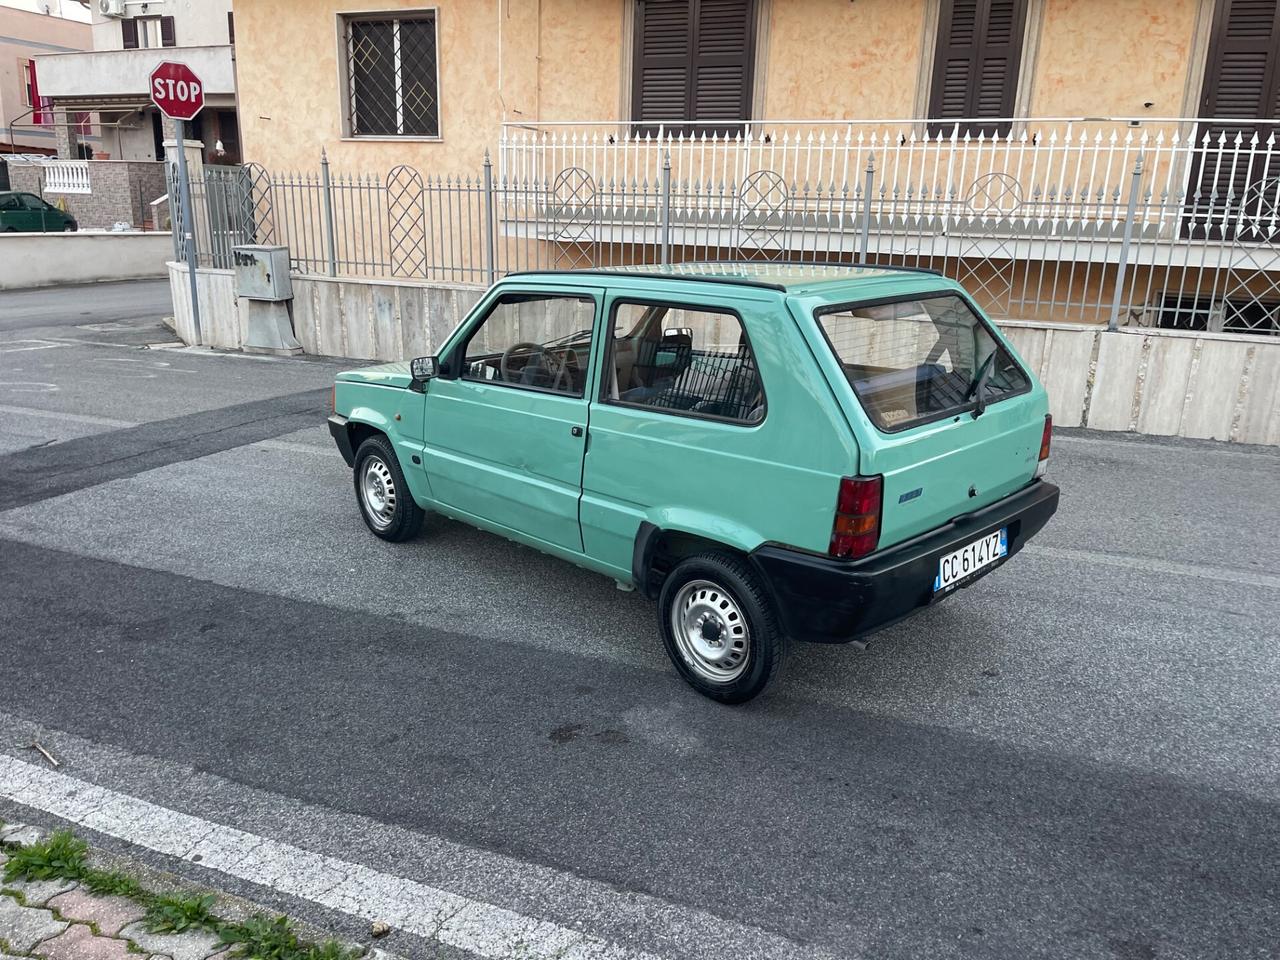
(262, 273)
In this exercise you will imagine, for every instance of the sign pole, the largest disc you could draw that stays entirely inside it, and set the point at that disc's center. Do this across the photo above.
(188, 224)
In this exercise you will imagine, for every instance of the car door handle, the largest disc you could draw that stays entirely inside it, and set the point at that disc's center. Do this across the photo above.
(575, 431)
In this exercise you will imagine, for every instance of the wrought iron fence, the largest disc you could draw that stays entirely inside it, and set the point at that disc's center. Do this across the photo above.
(1121, 247)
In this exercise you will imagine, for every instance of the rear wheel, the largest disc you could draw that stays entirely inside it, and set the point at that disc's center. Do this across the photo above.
(719, 627)
(385, 502)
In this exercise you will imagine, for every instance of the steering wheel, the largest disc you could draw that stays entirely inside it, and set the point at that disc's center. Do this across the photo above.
(532, 351)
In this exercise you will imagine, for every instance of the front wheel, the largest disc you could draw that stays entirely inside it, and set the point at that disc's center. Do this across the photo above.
(385, 502)
(719, 627)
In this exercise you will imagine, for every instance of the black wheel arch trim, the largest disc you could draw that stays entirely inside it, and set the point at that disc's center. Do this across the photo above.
(647, 539)
(338, 429)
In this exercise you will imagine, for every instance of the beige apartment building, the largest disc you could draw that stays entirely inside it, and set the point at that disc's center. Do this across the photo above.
(26, 114)
(1081, 160)
(129, 37)
(467, 66)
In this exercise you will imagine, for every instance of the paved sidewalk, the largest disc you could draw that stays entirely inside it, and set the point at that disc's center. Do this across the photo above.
(58, 920)
(62, 919)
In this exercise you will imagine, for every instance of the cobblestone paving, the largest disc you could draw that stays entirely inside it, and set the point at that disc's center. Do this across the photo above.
(59, 920)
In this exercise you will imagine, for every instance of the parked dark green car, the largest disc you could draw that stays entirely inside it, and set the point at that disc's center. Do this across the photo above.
(27, 213)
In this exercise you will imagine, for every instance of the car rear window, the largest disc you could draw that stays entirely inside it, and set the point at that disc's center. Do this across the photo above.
(916, 360)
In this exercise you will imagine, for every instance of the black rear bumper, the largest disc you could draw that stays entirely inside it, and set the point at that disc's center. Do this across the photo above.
(834, 601)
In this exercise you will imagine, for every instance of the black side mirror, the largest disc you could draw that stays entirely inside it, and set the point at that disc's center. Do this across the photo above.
(423, 369)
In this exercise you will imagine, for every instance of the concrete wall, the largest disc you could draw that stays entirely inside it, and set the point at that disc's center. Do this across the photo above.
(44, 259)
(367, 320)
(1162, 382)
(121, 192)
(570, 60)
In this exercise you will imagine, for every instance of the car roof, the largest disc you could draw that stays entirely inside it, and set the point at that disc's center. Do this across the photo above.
(793, 278)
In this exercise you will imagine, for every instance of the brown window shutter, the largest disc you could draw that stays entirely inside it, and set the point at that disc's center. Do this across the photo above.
(664, 44)
(976, 63)
(1243, 75)
(693, 61)
(129, 34)
(168, 37)
(722, 63)
(1241, 83)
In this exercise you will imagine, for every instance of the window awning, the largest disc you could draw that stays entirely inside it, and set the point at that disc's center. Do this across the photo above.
(98, 104)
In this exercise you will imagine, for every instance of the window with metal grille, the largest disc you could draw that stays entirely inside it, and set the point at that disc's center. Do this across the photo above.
(976, 64)
(392, 76)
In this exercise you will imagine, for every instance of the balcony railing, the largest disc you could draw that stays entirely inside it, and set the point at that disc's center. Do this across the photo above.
(1059, 175)
(1125, 225)
(67, 176)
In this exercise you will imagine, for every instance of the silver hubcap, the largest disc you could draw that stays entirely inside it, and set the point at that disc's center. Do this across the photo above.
(378, 490)
(711, 632)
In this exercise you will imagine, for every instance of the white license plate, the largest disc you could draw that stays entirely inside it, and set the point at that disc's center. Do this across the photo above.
(969, 559)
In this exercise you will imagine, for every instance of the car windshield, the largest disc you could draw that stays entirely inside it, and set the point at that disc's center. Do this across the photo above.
(916, 360)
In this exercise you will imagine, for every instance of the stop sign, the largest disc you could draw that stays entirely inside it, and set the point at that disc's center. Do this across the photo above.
(176, 90)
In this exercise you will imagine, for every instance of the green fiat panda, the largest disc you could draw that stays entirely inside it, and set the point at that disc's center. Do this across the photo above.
(773, 453)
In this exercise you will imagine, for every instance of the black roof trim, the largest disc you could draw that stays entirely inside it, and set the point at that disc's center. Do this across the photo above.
(606, 272)
(732, 281)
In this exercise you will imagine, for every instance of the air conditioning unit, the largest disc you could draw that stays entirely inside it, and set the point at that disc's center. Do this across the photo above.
(111, 8)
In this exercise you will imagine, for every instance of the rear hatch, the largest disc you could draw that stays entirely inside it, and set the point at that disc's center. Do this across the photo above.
(954, 421)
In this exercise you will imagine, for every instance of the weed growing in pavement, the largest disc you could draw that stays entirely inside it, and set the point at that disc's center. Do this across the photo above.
(61, 855)
(262, 938)
(331, 950)
(112, 883)
(170, 914)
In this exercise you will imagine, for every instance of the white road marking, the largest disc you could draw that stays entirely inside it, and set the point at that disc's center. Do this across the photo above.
(68, 417)
(1156, 565)
(8, 346)
(417, 908)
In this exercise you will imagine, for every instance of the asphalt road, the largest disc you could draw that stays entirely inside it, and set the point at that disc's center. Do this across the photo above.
(92, 303)
(1077, 757)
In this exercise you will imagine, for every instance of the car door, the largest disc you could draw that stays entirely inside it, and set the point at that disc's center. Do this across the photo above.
(683, 437)
(12, 212)
(505, 427)
(35, 213)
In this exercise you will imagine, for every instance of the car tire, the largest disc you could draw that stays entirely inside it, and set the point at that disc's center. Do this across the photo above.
(387, 506)
(719, 627)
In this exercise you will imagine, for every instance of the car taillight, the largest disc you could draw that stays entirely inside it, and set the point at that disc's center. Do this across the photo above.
(856, 529)
(1045, 440)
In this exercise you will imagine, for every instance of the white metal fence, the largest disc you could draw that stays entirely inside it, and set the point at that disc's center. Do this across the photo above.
(1058, 220)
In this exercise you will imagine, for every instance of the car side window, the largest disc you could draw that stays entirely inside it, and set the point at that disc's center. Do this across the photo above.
(10, 203)
(32, 202)
(685, 360)
(537, 341)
